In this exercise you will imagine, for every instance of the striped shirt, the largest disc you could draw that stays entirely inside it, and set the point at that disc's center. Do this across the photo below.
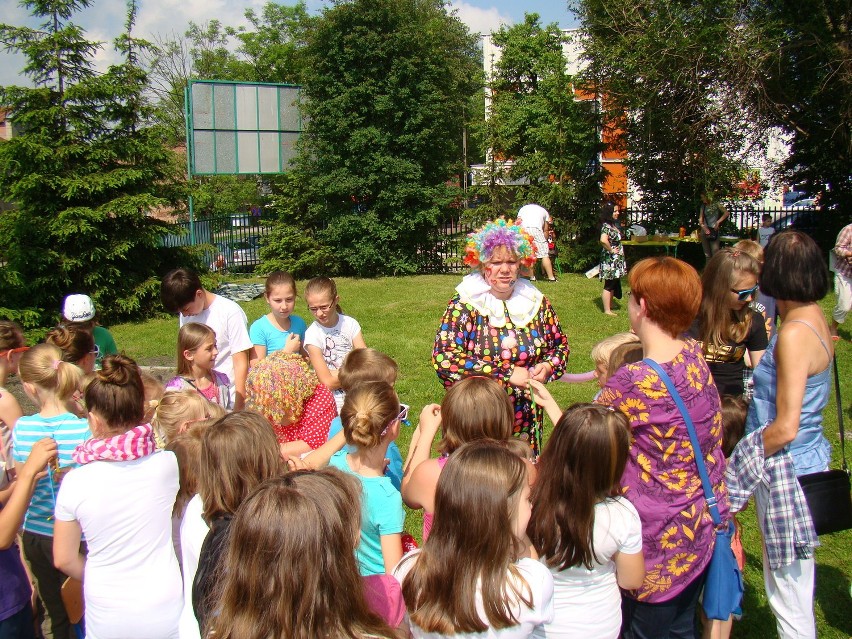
(68, 431)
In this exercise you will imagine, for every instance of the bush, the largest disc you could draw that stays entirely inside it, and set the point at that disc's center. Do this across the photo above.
(295, 250)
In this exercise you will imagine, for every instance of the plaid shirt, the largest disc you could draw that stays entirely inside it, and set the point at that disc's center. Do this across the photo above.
(787, 528)
(842, 266)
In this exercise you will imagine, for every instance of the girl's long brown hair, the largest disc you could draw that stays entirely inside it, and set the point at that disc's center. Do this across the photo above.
(472, 546)
(718, 323)
(289, 571)
(581, 465)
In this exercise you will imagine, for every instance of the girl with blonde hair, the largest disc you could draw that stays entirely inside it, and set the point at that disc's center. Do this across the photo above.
(178, 410)
(472, 575)
(196, 357)
(311, 518)
(371, 416)
(50, 382)
(11, 348)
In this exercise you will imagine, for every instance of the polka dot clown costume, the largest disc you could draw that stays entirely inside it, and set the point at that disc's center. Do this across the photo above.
(484, 332)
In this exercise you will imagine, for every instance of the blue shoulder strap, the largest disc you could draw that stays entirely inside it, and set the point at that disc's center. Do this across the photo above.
(693, 437)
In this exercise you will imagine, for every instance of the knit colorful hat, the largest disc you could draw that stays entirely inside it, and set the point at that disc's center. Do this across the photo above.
(279, 385)
(481, 243)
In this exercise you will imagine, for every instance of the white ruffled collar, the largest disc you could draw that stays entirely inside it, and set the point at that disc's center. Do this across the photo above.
(522, 306)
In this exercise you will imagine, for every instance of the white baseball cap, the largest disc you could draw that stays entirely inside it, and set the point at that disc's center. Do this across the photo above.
(78, 308)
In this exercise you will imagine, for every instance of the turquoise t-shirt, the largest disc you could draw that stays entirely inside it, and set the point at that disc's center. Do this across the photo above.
(263, 333)
(381, 514)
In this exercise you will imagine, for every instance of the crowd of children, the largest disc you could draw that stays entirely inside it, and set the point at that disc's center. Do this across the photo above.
(260, 491)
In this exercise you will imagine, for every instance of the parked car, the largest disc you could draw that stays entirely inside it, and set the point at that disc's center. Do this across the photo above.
(246, 253)
(806, 203)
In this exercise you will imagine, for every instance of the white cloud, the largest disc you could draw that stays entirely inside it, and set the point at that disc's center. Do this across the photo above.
(477, 19)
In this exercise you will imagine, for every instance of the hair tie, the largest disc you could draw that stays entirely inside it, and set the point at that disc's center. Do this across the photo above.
(55, 364)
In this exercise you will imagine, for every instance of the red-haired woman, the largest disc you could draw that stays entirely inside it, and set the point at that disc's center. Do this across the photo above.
(661, 478)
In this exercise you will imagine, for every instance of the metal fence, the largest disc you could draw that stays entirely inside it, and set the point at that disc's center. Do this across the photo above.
(233, 242)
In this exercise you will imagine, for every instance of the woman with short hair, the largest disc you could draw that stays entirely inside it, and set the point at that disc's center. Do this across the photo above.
(661, 478)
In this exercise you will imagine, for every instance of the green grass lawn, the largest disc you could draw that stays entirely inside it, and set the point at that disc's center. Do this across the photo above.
(399, 316)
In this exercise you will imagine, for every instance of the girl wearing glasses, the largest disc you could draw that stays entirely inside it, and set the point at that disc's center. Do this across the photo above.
(371, 416)
(332, 336)
(727, 327)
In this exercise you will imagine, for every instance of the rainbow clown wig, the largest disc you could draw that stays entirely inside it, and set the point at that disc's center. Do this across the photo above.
(481, 244)
(278, 387)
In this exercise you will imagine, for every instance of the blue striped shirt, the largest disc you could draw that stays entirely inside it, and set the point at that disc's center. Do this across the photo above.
(68, 431)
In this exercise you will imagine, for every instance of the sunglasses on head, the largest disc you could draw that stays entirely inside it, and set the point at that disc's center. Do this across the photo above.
(12, 351)
(745, 293)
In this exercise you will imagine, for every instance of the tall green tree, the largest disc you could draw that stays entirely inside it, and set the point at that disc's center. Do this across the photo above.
(657, 63)
(387, 84)
(535, 122)
(84, 172)
(791, 63)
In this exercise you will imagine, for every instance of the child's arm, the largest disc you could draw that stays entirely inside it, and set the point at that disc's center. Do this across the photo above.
(10, 410)
(391, 551)
(241, 366)
(319, 457)
(421, 441)
(28, 475)
(419, 491)
(326, 376)
(629, 570)
(294, 449)
(544, 399)
(257, 353)
(66, 548)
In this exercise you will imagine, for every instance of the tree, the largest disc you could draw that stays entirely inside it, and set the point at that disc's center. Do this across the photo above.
(386, 86)
(535, 121)
(84, 172)
(657, 63)
(792, 66)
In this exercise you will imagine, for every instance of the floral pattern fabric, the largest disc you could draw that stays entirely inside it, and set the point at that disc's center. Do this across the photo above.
(468, 343)
(613, 265)
(661, 479)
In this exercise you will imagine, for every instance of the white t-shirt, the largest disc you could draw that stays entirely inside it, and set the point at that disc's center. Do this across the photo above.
(132, 585)
(335, 342)
(541, 586)
(587, 603)
(230, 323)
(533, 216)
(193, 530)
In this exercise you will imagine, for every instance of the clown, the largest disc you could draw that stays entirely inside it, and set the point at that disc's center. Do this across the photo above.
(500, 326)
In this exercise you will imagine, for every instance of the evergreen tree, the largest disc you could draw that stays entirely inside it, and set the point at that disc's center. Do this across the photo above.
(387, 84)
(84, 172)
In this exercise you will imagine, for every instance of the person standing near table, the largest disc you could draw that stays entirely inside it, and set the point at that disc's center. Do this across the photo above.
(613, 265)
(536, 221)
(711, 215)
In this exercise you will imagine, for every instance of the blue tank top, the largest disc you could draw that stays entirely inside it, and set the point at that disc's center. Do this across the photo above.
(810, 449)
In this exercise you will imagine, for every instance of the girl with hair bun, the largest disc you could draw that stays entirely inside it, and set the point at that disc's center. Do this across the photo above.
(77, 346)
(121, 498)
(50, 383)
(371, 416)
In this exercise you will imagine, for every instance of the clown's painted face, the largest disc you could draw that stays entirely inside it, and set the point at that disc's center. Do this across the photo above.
(501, 272)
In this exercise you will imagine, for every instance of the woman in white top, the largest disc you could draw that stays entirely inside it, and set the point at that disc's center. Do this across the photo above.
(121, 499)
(471, 577)
(589, 538)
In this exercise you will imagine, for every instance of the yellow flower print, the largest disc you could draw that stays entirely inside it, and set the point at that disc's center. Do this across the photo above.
(651, 386)
(681, 562)
(666, 540)
(655, 581)
(609, 397)
(675, 479)
(645, 465)
(693, 376)
(635, 409)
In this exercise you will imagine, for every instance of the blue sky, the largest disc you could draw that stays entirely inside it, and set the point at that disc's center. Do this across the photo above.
(103, 19)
